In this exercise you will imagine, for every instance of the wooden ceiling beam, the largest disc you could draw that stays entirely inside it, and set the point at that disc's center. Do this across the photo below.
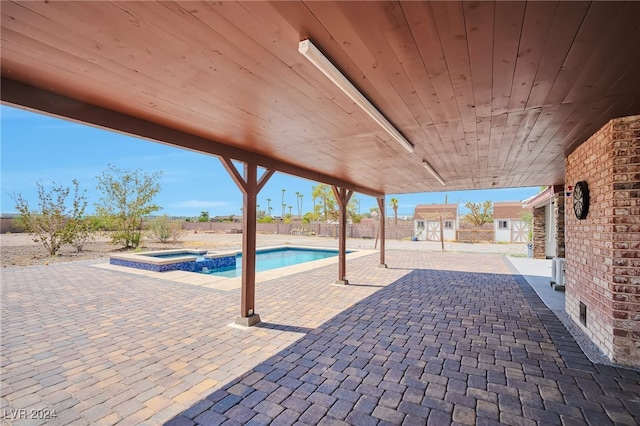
(32, 98)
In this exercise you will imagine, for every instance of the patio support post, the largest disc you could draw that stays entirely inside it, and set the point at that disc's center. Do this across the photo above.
(342, 196)
(382, 225)
(250, 186)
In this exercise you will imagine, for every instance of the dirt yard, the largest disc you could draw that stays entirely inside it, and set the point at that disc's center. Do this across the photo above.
(21, 250)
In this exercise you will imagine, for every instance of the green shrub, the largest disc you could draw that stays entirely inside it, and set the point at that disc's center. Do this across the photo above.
(53, 224)
(165, 230)
(127, 197)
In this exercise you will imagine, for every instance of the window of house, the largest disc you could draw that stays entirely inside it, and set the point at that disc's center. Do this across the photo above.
(503, 224)
(421, 224)
(448, 224)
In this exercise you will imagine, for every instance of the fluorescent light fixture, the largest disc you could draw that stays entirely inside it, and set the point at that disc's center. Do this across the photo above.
(433, 172)
(321, 62)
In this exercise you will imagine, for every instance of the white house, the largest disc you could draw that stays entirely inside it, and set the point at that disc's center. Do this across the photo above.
(427, 219)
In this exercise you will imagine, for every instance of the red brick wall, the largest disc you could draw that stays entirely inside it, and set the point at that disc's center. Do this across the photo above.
(602, 251)
(558, 214)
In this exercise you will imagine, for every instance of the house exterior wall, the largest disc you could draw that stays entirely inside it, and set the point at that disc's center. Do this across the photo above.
(539, 233)
(603, 250)
(550, 232)
(548, 222)
(558, 217)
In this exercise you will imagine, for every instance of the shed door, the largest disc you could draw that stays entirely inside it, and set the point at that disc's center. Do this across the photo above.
(519, 231)
(433, 230)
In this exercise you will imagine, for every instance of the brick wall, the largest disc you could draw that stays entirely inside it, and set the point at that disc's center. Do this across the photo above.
(558, 212)
(602, 251)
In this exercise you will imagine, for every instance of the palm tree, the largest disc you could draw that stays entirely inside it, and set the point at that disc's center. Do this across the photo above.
(300, 210)
(290, 207)
(269, 206)
(299, 204)
(283, 204)
(394, 204)
(314, 195)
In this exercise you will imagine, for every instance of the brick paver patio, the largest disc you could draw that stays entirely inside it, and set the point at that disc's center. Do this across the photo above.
(437, 338)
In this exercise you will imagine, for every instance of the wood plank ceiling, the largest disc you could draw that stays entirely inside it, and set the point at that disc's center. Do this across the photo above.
(493, 95)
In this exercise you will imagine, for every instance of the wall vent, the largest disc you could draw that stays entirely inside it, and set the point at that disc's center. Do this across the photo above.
(583, 314)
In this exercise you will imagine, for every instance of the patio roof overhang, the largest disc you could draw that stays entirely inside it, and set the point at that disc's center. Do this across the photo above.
(492, 95)
(486, 95)
(542, 198)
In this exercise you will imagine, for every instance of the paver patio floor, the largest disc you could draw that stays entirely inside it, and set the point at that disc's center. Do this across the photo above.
(437, 338)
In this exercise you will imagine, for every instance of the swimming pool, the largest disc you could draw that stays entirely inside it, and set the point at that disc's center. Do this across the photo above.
(219, 264)
(273, 258)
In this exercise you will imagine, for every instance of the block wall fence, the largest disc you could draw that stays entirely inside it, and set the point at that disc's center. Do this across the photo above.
(603, 250)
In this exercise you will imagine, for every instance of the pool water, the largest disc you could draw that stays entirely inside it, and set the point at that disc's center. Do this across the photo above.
(274, 258)
(199, 256)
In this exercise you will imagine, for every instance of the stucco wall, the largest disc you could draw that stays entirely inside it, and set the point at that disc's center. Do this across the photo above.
(603, 250)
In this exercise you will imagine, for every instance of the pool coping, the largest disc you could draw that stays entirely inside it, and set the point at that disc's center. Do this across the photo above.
(228, 284)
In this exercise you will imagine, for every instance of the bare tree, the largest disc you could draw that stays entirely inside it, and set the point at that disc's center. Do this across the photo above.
(479, 213)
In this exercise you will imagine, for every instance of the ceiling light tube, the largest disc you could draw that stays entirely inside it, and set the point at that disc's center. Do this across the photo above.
(433, 172)
(311, 52)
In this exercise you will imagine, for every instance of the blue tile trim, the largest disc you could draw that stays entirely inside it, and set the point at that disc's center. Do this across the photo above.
(190, 266)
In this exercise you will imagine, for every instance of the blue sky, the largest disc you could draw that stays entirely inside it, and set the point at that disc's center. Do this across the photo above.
(36, 147)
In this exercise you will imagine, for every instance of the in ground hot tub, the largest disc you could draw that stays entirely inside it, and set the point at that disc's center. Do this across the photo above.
(175, 260)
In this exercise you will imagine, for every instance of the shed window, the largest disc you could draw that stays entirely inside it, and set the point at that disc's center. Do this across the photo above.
(421, 224)
(448, 224)
(503, 224)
